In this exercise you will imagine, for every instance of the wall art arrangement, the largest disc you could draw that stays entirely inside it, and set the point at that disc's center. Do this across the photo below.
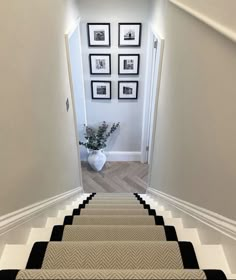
(127, 90)
(99, 35)
(101, 89)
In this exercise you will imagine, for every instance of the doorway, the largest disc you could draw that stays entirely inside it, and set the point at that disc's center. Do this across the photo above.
(119, 175)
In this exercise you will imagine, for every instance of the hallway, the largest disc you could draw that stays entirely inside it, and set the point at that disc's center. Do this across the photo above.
(117, 83)
(116, 177)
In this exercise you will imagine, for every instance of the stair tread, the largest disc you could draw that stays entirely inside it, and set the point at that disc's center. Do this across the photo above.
(113, 255)
(114, 212)
(116, 220)
(114, 206)
(117, 201)
(116, 233)
(114, 198)
(113, 274)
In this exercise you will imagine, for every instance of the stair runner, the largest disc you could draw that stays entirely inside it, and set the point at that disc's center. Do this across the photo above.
(112, 237)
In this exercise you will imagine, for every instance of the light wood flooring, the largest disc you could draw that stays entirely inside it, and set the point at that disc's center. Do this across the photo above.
(119, 177)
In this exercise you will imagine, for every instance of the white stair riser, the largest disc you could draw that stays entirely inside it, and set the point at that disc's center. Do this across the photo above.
(15, 256)
(63, 213)
(211, 257)
(39, 234)
(165, 214)
(189, 234)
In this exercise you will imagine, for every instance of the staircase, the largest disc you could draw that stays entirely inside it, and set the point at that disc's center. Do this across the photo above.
(108, 236)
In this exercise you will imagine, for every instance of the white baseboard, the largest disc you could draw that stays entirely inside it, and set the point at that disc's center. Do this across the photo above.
(21, 216)
(216, 221)
(123, 156)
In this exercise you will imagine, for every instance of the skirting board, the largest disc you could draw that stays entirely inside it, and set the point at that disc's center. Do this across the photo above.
(123, 156)
(218, 222)
(21, 216)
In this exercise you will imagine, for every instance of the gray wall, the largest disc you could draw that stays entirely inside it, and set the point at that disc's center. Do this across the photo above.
(128, 113)
(37, 143)
(195, 145)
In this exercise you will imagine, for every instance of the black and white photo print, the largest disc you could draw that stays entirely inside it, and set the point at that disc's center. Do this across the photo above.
(99, 34)
(128, 64)
(130, 34)
(127, 89)
(100, 64)
(101, 89)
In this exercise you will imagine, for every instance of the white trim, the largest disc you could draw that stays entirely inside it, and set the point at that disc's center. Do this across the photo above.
(146, 99)
(216, 221)
(153, 87)
(68, 34)
(160, 55)
(21, 216)
(70, 31)
(155, 99)
(123, 156)
(225, 31)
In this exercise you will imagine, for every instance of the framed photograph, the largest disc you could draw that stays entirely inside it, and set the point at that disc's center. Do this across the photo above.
(127, 90)
(100, 64)
(99, 34)
(101, 89)
(130, 34)
(128, 64)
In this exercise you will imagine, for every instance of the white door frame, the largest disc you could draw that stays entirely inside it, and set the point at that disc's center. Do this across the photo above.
(152, 94)
(68, 35)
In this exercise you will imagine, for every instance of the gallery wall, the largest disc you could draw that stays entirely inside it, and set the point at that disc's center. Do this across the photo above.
(37, 145)
(195, 144)
(128, 113)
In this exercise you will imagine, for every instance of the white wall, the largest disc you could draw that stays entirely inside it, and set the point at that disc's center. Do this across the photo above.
(158, 16)
(195, 151)
(128, 113)
(37, 143)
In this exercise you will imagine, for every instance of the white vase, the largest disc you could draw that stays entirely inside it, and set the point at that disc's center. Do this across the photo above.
(96, 159)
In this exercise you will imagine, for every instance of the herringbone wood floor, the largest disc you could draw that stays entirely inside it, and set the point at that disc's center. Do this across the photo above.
(119, 177)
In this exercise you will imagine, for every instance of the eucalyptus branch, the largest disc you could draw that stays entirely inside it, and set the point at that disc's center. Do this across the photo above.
(96, 139)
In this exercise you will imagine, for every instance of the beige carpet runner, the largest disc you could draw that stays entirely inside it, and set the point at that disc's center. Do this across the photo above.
(114, 233)
(112, 237)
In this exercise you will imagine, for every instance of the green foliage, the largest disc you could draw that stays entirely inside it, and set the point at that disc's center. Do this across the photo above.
(96, 138)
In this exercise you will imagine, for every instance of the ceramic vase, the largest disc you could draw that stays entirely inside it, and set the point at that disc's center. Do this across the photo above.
(96, 159)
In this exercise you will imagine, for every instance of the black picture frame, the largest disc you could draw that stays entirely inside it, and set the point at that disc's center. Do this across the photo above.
(103, 32)
(133, 85)
(130, 38)
(133, 60)
(94, 65)
(108, 94)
